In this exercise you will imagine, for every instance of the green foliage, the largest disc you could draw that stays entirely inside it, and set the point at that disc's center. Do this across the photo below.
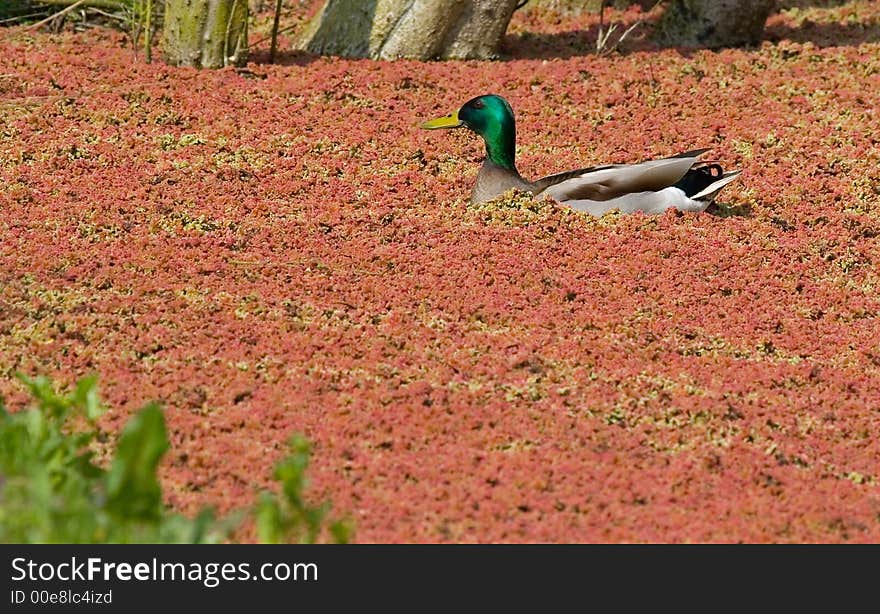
(133, 489)
(288, 517)
(52, 490)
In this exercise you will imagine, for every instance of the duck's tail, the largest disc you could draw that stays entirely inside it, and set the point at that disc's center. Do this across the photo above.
(703, 182)
(709, 193)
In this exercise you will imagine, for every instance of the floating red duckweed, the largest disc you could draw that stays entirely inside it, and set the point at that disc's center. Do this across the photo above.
(281, 250)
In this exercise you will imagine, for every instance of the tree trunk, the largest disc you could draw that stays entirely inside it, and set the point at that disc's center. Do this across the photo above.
(713, 23)
(206, 33)
(419, 29)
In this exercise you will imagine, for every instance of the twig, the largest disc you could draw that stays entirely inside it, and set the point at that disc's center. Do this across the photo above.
(60, 13)
(108, 15)
(134, 30)
(236, 50)
(604, 36)
(275, 23)
(625, 34)
(148, 39)
(21, 17)
(105, 4)
(284, 30)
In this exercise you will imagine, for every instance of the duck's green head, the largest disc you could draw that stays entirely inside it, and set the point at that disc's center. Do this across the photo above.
(491, 117)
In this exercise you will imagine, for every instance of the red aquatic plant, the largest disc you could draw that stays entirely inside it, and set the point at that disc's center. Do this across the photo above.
(282, 250)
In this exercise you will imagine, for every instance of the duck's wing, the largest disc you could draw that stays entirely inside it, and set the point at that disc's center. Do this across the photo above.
(602, 183)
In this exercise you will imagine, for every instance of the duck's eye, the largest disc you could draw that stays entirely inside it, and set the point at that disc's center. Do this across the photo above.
(478, 104)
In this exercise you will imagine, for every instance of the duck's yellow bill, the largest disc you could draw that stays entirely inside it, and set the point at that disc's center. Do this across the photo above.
(447, 121)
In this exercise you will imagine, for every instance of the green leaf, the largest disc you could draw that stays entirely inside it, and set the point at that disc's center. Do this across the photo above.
(270, 524)
(86, 397)
(341, 530)
(53, 406)
(51, 491)
(133, 490)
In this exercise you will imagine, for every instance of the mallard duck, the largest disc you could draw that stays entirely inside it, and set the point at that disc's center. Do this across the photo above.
(681, 181)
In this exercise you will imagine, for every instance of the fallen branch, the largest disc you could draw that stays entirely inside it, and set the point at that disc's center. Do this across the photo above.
(113, 5)
(60, 13)
(21, 17)
(108, 15)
